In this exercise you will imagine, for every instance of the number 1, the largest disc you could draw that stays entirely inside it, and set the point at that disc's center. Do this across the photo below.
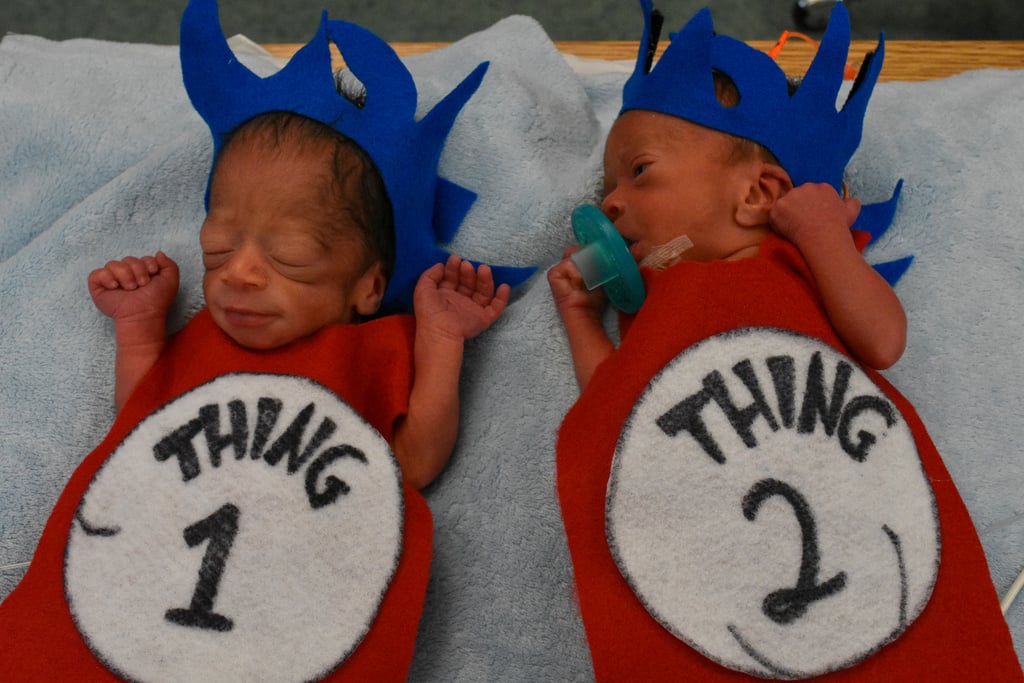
(220, 528)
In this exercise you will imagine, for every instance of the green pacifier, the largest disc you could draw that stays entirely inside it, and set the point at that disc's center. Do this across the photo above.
(605, 261)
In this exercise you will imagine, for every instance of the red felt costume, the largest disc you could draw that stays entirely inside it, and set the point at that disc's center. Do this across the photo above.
(960, 634)
(369, 366)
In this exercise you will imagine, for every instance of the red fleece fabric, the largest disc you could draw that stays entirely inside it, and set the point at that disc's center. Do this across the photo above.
(961, 634)
(368, 365)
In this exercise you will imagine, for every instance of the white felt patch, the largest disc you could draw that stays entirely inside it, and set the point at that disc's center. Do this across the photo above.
(248, 530)
(768, 506)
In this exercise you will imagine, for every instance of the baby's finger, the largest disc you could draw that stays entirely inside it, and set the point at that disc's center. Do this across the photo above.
(165, 262)
(467, 278)
(129, 272)
(452, 269)
(852, 208)
(484, 283)
(140, 268)
(102, 278)
(496, 305)
(565, 271)
(501, 296)
(429, 280)
(151, 264)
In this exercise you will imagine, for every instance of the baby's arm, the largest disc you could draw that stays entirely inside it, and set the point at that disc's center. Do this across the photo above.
(452, 302)
(861, 305)
(136, 293)
(581, 312)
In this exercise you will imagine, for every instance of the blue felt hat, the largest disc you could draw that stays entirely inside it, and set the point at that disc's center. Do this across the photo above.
(427, 209)
(812, 138)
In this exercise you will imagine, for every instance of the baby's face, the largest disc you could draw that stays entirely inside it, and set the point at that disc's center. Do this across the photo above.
(666, 177)
(277, 269)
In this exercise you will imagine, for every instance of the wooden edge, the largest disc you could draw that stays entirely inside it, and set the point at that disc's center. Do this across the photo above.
(905, 60)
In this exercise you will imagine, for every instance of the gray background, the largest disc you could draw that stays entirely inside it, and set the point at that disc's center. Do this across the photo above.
(156, 21)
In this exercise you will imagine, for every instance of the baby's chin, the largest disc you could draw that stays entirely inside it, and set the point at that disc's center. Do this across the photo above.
(252, 343)
(255, 338)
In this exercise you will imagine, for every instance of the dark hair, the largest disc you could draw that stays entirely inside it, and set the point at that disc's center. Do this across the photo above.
(370, 210)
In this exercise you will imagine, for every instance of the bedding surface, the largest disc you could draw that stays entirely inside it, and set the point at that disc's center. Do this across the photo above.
(102, 156)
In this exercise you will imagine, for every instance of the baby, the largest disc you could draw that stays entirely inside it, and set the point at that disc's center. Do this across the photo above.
(253, 512)
(667, 177)
(298, 237)
(741, 490)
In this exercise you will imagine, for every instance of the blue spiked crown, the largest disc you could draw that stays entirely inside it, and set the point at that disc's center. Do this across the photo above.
(810, 137)
(427, 209)
(811, 140)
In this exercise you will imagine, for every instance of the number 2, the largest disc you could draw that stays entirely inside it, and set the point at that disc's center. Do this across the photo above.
(789, 604)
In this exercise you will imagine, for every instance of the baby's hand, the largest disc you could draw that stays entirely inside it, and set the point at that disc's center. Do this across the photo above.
(457, 300)
(569, 291)
(811, 209)
(135, 287)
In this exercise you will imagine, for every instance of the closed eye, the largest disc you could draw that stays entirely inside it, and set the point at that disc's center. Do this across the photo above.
(298, 255)
(293, 267)
(295, 247)
(290, 262)
(215, 258)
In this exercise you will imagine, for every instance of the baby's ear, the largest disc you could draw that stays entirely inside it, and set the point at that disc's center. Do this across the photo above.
(768, 184)
(369, 290)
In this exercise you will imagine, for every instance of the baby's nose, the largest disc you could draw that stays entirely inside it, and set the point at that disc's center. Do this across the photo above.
(612, 206)
(245, 269)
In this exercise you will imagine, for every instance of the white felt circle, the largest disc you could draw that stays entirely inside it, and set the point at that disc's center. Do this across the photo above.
(713, 519)
(297, 565)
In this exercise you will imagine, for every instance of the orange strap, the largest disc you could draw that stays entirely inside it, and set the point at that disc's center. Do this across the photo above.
(849, 73)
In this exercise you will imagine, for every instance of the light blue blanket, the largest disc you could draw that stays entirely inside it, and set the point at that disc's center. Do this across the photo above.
(101, 155)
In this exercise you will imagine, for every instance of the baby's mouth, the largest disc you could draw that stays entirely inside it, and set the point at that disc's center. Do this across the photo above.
(633, 247)
(245, 317)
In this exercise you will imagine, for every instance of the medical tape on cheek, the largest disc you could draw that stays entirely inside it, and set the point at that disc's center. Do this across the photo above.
(668, 254)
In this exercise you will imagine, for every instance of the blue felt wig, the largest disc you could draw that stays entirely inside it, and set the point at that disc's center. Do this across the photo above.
(427, 209)
(812, 139)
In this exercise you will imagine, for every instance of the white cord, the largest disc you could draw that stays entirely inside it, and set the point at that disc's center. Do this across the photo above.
(16, 565)
(1012, 593)
(664, 255)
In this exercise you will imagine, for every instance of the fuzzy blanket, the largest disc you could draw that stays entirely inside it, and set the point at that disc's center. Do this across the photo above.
(101, 155)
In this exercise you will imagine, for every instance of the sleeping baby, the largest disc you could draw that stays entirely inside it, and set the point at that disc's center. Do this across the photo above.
(253, 513)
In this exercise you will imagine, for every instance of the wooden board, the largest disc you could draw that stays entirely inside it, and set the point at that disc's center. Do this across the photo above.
(905, 60)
